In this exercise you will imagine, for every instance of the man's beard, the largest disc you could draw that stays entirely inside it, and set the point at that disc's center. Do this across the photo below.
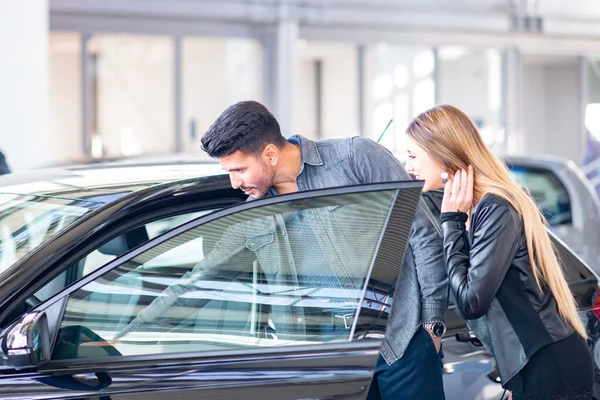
(263, 186)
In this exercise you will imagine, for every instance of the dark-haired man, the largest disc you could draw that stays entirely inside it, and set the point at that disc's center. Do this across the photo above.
(247, 141)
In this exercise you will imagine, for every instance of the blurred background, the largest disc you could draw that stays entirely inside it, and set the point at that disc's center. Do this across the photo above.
(100, 79)
(87, 81)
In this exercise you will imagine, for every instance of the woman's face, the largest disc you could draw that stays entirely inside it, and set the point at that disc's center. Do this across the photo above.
(423, 167)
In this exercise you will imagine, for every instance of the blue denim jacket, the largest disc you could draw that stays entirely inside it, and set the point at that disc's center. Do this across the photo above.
(422, 287)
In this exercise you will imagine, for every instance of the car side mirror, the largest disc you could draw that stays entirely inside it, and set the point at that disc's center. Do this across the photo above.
(26, 343)
(125, 242)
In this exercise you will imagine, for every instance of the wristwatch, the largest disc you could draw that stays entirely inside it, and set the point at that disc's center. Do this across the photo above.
(437, 328)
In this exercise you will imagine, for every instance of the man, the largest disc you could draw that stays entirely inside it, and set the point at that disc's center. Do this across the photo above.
(247, 141)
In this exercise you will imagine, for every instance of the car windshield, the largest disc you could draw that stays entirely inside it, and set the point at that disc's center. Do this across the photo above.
(26, 221)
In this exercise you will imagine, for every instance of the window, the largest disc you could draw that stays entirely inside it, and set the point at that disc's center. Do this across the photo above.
(288, 273)
(471, 79)
(210, 84)
(131, 95)
(26, 221)
(127, 241)
(111, 250)
(548, 192)
(99, 257)
(400, 85)
(323, 71)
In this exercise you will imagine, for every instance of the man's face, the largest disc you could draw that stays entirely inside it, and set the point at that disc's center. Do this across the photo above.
(252, 174)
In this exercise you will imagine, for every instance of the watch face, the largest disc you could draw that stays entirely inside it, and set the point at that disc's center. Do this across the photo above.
(438, 329)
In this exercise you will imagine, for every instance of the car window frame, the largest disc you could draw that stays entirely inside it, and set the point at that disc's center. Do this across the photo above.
(60, 299)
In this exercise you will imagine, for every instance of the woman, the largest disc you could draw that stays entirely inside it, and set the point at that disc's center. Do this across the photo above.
(502, 268)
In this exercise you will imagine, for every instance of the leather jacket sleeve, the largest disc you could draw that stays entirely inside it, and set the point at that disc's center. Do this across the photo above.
(476, 270)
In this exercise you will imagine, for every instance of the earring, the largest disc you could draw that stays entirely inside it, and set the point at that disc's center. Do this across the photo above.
(444, 176)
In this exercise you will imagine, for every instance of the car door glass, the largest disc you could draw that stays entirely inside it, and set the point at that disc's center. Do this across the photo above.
(26, 221)
(549, 193)
(111, 250)
(133, 238)
(282, 274)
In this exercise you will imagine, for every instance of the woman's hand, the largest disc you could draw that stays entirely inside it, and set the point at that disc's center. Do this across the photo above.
(458, 192)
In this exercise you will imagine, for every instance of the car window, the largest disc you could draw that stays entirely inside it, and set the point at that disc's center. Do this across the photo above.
(281, 274)
(549, 193)
(133, 238)
(26, 221)
(111, 250)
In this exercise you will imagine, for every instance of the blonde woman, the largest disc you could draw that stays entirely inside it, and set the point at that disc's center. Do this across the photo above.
(502, 268)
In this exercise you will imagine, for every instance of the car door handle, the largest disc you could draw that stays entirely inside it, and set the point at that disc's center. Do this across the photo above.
(85, 382)
(468, 337)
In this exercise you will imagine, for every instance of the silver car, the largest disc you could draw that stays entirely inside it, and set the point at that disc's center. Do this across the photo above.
(567, 198)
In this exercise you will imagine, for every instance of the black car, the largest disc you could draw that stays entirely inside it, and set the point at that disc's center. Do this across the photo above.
(85, 252)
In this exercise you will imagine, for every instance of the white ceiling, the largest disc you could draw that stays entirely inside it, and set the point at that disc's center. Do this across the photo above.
(569, 26)
(576, 9)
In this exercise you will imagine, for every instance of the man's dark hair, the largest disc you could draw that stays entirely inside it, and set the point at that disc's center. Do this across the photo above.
(247, 126)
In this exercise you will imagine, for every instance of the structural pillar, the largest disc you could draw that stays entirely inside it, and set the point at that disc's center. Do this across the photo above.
(287, 36)
(513, 102)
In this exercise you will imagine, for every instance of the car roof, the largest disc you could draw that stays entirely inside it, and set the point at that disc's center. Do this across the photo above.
(103, 181)
(538, 160)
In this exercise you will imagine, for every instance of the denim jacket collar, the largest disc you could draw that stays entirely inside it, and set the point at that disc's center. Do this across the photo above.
(309, 154)
(308, 150)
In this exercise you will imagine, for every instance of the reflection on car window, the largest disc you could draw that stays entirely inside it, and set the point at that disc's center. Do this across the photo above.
(283, 274)
(26, 221)
(122, 244)
(111, 250)
(99, 257)
(549, 193)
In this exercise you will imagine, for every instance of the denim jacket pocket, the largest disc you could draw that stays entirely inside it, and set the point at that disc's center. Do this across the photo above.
(256, 244)
(355, 219)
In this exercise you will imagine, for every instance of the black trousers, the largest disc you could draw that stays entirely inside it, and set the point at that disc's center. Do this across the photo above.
(561, 370)
(417, 375)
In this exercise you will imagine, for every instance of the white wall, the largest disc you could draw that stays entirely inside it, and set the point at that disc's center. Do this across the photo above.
(552, 118)
(134, 93)
(24, 82)
(216, 73)
(473, 83)
(339, 91)
(305, 115)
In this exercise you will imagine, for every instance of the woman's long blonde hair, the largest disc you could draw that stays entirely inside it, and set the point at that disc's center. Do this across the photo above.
(450, 138)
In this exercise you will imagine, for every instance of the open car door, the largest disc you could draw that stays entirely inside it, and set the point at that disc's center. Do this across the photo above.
(284, 297)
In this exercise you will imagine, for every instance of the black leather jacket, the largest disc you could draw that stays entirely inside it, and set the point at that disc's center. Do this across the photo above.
(492, 281)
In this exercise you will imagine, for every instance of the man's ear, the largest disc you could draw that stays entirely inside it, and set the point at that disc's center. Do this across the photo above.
(271, 154)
